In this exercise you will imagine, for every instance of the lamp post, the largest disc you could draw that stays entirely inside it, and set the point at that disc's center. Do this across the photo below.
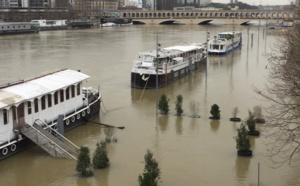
(156, 69)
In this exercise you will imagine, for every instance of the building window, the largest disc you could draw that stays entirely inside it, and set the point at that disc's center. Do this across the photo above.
(68, 93)
(29, 107)
(36, 105)
(49, 100)
(43, 100)
(5, 116)
(56, 98)
(61, 95)
(73, 91)
(78, 89)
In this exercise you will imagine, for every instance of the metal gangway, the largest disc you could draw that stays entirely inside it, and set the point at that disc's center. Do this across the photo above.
(50, 140)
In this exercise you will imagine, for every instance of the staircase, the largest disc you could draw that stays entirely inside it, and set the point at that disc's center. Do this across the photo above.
(50, 140)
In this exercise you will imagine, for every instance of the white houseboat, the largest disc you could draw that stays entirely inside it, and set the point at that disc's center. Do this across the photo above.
(224, 43)
(41, 101)
(18, 28)
(51, 24)
(167, 64)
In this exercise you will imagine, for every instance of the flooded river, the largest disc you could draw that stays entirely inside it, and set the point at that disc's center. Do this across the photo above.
(190, 151)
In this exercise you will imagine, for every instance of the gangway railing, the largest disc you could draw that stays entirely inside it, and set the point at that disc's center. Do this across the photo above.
(56, 146)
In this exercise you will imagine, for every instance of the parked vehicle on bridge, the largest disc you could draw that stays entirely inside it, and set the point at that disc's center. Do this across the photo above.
(161, 67)
(224, 43)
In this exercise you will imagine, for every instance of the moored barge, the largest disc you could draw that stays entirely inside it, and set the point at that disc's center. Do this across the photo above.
(161, 67)
(51, 24)
(44, 99)
(18, 28)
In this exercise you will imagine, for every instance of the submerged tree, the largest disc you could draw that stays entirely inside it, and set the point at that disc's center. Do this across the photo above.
(235, 111)
(151, 174)
(178, 105)
(163, 104)
(257, 113)
(215, 111)
(283, 93)
(109, 134)
(242, 141)
(194, 108)
(84, 162)
(251, 125)
(100, 158)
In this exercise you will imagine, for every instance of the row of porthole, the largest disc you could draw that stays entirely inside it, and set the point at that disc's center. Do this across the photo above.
(13, 147)
(83, 113)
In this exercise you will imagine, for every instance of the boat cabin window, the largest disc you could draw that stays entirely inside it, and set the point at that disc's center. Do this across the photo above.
(43, 100)
(216, 47)
(61, 92)
(49, 100)
(56, 98)
(78, 89)
(68, 93)
(73, 91)
(148, 58)
(5, 116)
(29, 107)
(36, 105)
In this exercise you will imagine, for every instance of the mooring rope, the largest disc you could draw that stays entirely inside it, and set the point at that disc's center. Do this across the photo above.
(144, 88)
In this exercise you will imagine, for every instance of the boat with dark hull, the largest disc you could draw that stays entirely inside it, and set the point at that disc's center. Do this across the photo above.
(161, 67)
(42, 101)
(7, 28)
(113, 21)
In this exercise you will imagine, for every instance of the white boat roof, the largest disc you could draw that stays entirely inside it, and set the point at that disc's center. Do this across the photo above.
(182, 48)
(39, 86)
(231, 32)
(173, 50)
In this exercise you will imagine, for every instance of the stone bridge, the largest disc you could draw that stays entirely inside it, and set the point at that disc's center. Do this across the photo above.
(241, 17)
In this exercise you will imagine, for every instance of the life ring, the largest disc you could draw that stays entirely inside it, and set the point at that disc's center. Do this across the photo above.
(73, 119)
(13, 147)
(67, 121)
(83, 113)
(88, 111)
(54, 127)
(4, 151)
(78, 116)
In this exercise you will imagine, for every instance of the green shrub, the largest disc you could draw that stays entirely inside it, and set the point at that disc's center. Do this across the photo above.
(242, 139)
(151, 174)
(100, 158)
(163, 104)
(215, 111)
(250, 122)
(178, 105)
(84, 162)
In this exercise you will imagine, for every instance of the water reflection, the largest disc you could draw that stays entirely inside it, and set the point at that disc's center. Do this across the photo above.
(178, 125)
(214, 125)
(241, 169)
(293, 177)
(163, 122)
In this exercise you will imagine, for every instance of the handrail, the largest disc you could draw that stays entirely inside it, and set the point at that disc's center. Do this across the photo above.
(52, 142)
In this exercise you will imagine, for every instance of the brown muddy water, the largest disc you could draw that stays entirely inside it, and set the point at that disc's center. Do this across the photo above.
(190, 151)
